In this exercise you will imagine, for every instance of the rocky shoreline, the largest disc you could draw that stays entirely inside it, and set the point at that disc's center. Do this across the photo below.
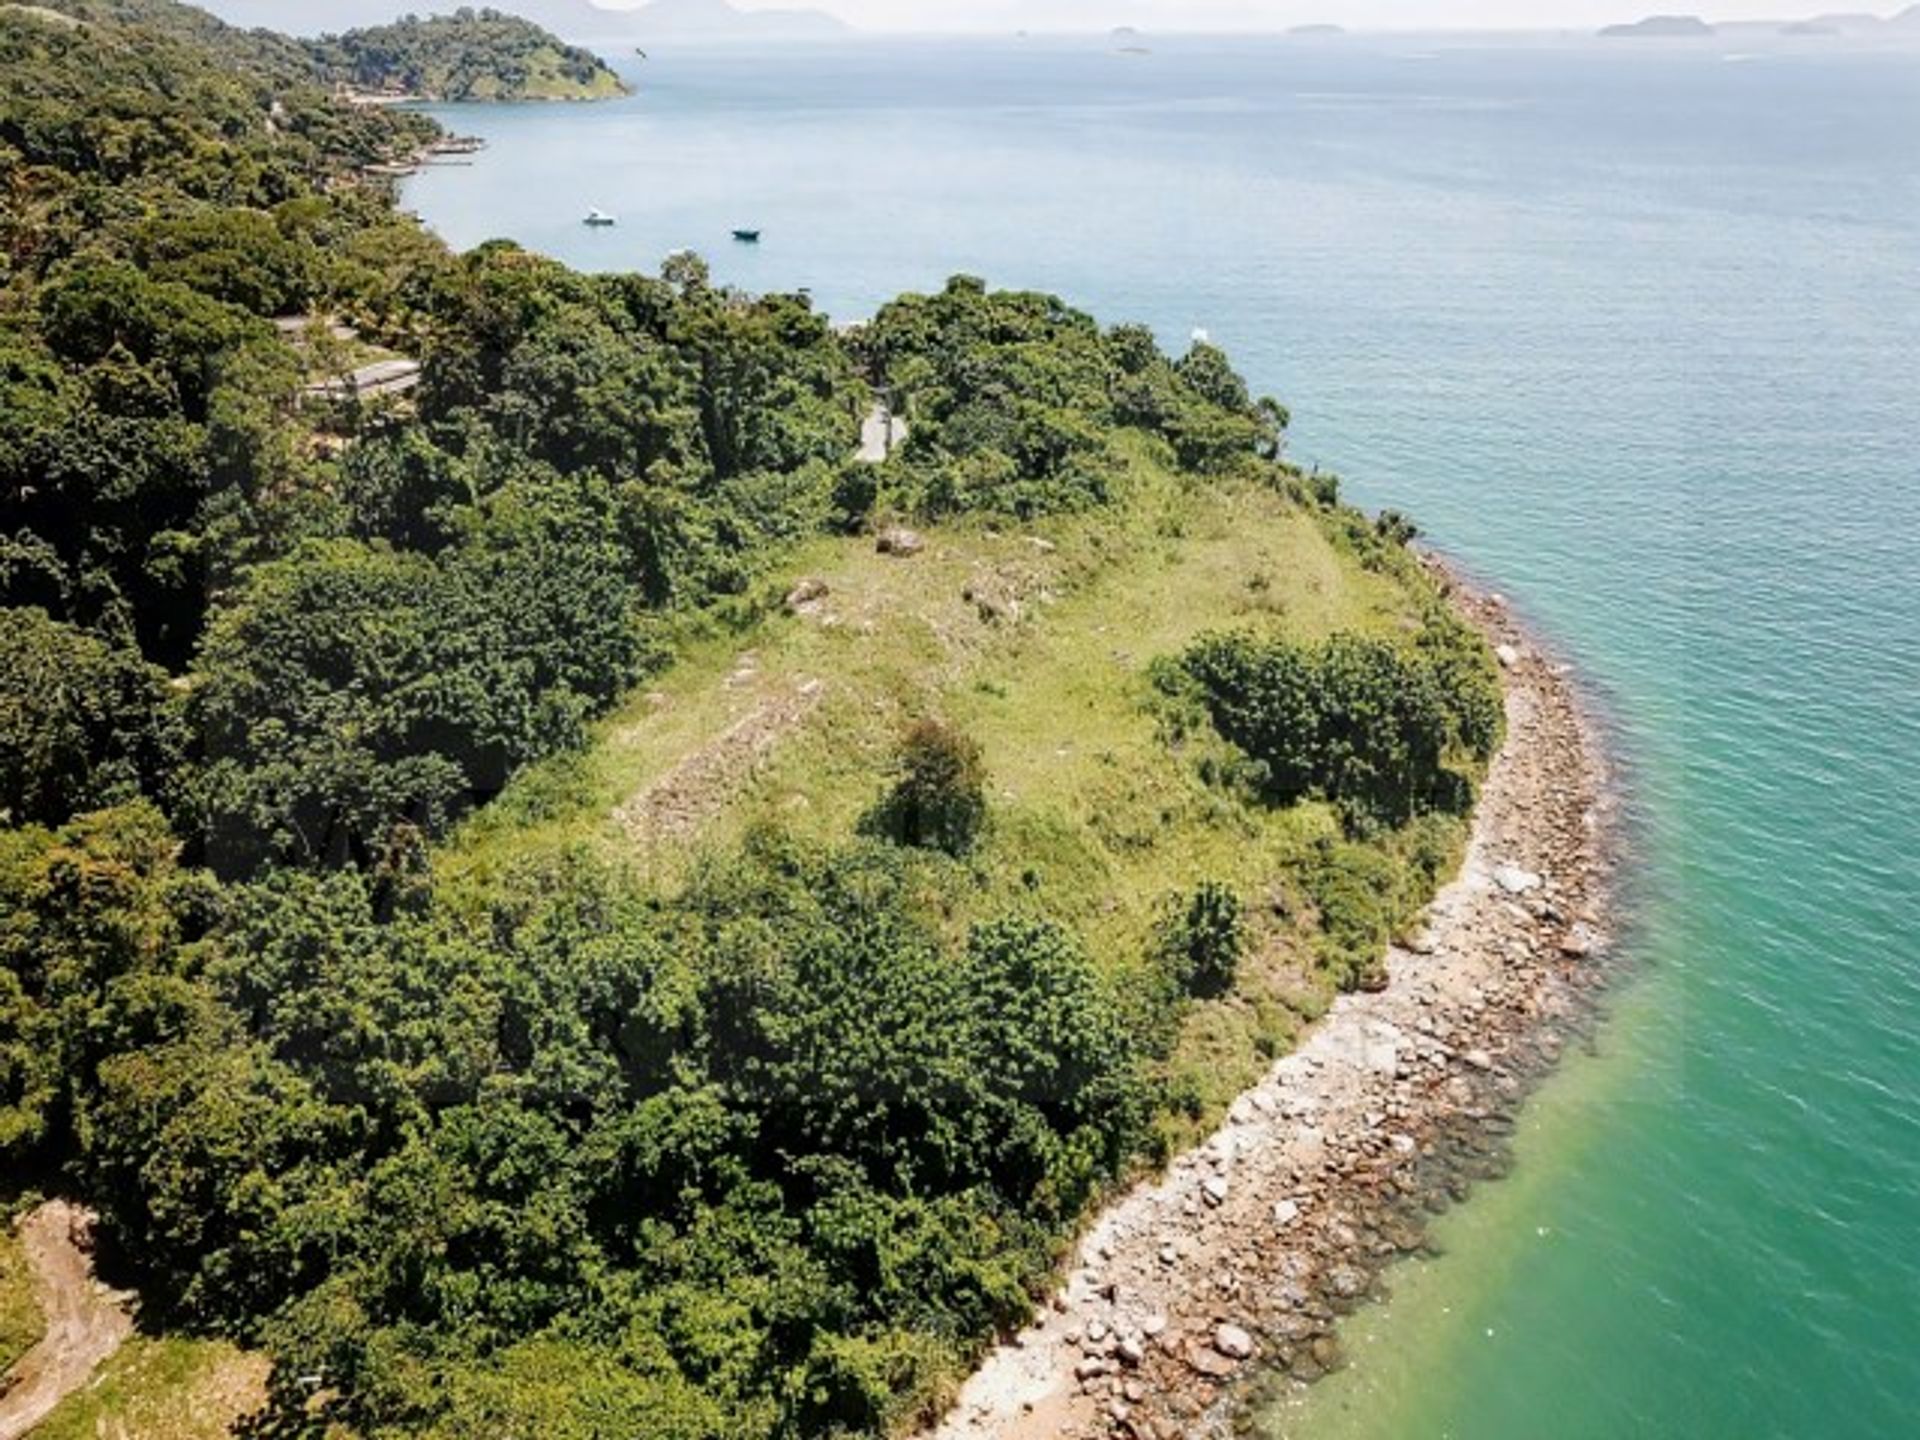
(1232, 1270)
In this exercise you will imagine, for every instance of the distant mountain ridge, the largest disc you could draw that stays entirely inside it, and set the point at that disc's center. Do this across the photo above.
(1904, 22)
(1659, 27)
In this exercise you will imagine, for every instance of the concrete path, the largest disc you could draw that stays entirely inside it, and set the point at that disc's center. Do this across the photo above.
(881, 433)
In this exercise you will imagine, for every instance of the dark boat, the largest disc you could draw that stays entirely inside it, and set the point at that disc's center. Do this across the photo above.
(747, 237)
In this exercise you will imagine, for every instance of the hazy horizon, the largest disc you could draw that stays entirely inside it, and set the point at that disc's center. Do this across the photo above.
(1266, 14)
(1189, 15)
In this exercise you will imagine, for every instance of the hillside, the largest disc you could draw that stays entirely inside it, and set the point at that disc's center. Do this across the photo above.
(558, 900)
(468, 55)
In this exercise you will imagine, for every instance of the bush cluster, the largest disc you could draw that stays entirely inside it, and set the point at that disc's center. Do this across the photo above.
(1379, 729)
(763, 1160)
(1015, 398)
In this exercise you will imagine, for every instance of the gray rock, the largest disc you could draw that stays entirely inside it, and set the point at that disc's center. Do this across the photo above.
(1209, 1363)
(1215, 1191)
(899, 540)
(1347, 1281)
(1233, 1342)
(1580, 941)
(1515, 881)
(1506, 655)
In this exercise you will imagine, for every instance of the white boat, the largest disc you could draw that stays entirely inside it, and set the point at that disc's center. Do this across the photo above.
(599, 217)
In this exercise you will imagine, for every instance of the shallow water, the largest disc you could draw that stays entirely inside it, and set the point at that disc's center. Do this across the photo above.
(1635, 331)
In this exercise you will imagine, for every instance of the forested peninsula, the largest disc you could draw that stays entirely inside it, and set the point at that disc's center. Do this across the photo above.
(468, 55)
(551, 898)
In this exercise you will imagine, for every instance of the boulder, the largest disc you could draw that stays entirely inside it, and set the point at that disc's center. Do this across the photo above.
(808, 592)
(1516, 881)
(1209, 1363)
(898, 540)
(1580, 941)
(1507, 656)
(1233, 1342)
(1347, 1281)
(1214, 1191)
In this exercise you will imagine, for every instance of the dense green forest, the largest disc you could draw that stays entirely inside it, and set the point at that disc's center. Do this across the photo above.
(468, 55)
(769, 1151)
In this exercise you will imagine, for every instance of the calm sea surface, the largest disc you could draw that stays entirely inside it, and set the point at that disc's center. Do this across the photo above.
(1636, 331)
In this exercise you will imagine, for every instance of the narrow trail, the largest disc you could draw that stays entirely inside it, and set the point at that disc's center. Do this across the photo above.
(86, 1322)
(675, 805)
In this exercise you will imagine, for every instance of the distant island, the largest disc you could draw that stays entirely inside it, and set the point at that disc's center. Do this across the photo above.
(1307, 32)
(1659, 27)
(469, 55)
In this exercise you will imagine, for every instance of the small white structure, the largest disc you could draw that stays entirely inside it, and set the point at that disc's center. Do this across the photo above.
(383, 377)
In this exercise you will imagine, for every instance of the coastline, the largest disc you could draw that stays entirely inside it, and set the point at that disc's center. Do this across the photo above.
(1230, 1270)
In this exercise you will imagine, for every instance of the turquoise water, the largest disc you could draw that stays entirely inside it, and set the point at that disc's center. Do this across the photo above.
(1637, 332)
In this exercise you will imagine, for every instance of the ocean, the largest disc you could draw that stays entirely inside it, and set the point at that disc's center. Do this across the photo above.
(1633, 331)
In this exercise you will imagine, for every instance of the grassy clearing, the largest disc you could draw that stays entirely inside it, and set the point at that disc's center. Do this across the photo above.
(21, 1323)
(1037, 643)
(164, 1389)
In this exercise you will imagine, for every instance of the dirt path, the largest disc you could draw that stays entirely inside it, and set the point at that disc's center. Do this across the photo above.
(86, 1322)
(679, 802)
(1252, 1245)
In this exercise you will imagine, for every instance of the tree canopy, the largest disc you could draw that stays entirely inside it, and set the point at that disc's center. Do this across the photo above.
(766, 1152)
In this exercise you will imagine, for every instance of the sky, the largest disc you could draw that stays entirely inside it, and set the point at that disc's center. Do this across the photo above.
(1000, 15)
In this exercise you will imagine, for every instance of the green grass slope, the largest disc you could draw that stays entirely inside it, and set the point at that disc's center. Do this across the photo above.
(21, 1323)
(1036, 641)
(169, 1388)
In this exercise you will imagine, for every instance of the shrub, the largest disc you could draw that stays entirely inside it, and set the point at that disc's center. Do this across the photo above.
(939, 801)
(1202, 937)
